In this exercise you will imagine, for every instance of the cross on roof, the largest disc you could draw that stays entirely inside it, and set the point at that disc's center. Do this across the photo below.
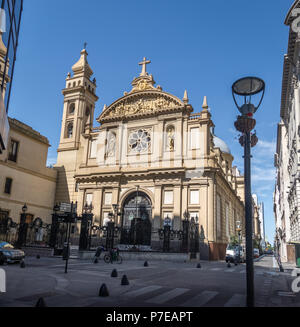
(143, 64)
(84, 45)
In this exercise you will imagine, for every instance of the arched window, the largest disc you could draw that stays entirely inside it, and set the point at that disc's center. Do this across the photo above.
(71, 108)
(170, 138)
(86, 119)
(74, 84)
(70, 130)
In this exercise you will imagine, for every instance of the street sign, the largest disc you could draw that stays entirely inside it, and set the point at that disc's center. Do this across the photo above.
(66, 207)
(66, 218)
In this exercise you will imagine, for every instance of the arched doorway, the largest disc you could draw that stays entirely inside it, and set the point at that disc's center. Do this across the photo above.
(136, 220)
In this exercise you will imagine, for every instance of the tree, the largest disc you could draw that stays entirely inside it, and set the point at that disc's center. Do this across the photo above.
(234, 240)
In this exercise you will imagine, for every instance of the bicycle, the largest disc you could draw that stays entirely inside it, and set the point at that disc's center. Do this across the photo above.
(112, 256)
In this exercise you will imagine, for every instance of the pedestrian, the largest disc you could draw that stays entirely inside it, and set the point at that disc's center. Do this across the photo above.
(98, 252)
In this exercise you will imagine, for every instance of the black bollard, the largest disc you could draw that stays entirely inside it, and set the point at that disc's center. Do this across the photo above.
(103, 290)
(96, 260)
(38, 256)
(40, 303)
(114, 273)
(199, 265)
(22, 264)
(228, 264)
(146, 264)
(124, 280)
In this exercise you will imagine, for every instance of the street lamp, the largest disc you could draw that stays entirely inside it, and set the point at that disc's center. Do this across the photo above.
(167, 221)
(186, 215)
(23, 228)
(54, 227)
(111, 216)
(185, 228)
(24, 208)
(56, 208)
(246, 88)
(116, 212)
(88, 208)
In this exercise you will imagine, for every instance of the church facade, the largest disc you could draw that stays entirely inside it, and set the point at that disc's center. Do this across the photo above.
(149, 157)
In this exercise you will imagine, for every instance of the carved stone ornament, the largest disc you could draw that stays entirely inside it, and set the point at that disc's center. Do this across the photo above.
(170, 138)
(110, 145)
(142, 103)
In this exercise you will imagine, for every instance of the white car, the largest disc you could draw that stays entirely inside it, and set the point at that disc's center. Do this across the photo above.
(256, 253)
(232, 253)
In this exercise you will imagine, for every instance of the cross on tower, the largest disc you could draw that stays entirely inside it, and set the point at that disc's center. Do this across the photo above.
(84, 45)
(143, 64)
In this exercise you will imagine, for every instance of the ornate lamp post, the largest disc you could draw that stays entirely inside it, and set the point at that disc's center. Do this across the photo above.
(185, 229)
(54, 226)
(246, 88)
(110, 234)
(22, 228)
(86, 222)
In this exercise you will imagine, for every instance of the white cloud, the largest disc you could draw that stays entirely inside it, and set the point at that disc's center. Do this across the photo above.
(51, 161)
(265, 148)
(263, 174)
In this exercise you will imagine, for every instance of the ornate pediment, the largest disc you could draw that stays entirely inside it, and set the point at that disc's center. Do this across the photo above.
(144, 99)
(141, 104)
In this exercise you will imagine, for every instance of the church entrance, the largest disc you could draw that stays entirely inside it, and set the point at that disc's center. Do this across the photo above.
(136, 221)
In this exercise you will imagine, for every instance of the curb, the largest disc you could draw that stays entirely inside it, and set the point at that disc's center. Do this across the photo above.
(258, 259)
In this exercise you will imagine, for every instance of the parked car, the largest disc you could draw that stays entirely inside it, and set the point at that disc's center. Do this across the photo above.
(9, 254)
(232, 253)
(256, 253)
(268, 251)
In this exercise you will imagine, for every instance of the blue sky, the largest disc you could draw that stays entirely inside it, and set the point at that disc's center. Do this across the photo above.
(201, 46)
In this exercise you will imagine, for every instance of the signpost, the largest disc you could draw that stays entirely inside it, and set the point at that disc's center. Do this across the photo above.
(69, 217)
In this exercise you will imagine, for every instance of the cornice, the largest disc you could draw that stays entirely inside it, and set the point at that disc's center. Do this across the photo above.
(27, 130)
(28, 171)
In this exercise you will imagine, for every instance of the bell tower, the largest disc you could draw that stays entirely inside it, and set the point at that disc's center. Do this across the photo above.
(79, 104)
(77, 121)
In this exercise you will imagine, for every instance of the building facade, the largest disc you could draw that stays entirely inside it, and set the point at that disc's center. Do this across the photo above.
(257, 226)
(287, 188)
(24, 177)
(151, 158)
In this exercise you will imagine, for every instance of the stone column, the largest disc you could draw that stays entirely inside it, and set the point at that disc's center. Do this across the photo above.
(97, 203)
(184, 203)
(211, 235)
(115, 200)
(177, 207)
(157, 207)
(80, 201)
